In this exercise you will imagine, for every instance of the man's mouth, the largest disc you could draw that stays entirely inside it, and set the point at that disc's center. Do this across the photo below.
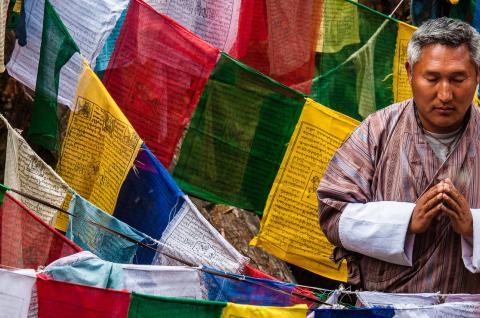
(444, 110)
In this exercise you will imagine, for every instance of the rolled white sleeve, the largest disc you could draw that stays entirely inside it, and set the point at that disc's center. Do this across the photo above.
(379, 230)
(470, 246)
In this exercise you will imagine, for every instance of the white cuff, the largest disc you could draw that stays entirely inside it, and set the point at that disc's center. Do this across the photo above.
(378, 230)
(470, 247)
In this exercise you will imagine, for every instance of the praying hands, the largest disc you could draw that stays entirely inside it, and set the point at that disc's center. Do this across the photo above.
(442, 198)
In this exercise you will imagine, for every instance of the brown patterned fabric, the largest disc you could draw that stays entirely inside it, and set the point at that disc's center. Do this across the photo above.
(388, 159)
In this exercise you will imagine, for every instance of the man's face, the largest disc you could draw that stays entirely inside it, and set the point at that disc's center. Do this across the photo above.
(443, 83)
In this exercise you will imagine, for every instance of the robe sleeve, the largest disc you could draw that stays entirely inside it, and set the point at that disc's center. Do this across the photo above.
(471, 246)
(347, 215)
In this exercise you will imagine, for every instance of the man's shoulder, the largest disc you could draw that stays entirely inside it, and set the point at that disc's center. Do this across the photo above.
(389, 114)
(384, 121)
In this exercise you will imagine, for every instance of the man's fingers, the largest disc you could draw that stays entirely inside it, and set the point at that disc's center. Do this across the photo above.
(431, 193)
(452, 204)
(434, 211)
(430, 204)
(450, 189)
(450, 213)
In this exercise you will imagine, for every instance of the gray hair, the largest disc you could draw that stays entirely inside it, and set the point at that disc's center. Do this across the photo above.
(446, 31)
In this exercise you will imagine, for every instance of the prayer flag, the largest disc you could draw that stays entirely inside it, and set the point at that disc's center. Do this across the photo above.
(237, 310)
(15, 292)
(26, 241)
(214, 21)
(278, 38)
(192, 239)
(157, 83)
(57, 47)
(149, 198)
(361, 59)
(106, 245)
(99, 145)
(27, 172)
(237, 136)
(249, 290)
(289, 228)
(146, 306)
(88, 22)
(59, 299)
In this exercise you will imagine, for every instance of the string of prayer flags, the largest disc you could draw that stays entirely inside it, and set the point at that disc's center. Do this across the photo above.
(107, 245)
(361, 59)
(58, 299)
(192, 239)
(26, 241)
(99, 145)
(15, 292)
(289, 228)
(88, 22)
(27, 172)
(158, 83)
(57, 47)
(214, 21)
(237, 136)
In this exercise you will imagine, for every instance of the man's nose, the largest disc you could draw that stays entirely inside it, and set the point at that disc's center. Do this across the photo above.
(445, 93)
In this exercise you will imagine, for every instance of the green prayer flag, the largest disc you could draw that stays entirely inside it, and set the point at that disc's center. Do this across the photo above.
(146, 306)
(3, 189)
(357, 79)
(237, 137)
(56, 49)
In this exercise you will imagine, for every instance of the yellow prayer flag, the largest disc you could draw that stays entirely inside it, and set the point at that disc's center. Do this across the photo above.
(401, 86)
(100, 144)
(248, 311)
(290, 228)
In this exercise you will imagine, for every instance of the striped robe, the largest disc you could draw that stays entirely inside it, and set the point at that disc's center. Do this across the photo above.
(387, 158)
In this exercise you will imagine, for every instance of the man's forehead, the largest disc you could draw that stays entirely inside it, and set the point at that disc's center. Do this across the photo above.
(441, 56)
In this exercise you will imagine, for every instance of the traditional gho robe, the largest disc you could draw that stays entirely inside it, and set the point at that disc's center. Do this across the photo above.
(367, 196)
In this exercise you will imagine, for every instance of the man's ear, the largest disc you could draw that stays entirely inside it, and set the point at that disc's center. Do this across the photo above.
(410, 72)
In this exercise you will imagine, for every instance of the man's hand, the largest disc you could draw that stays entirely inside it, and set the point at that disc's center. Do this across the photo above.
(426, 208)
(457, 209)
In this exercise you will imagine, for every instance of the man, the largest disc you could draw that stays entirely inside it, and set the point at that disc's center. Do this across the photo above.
(399, 199)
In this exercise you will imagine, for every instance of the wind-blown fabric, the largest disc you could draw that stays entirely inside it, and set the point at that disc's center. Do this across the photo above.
(237, 136)
(57, 299)
(56, 49)
(250, 290)
(26, 241)
(98, 240)
(388, 159)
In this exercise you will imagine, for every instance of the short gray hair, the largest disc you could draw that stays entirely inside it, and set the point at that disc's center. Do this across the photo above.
(446, 31)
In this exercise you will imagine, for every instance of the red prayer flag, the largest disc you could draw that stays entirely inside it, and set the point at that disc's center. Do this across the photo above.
(26, 241)
(156, 74)
(62, 299)
(278, 38)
